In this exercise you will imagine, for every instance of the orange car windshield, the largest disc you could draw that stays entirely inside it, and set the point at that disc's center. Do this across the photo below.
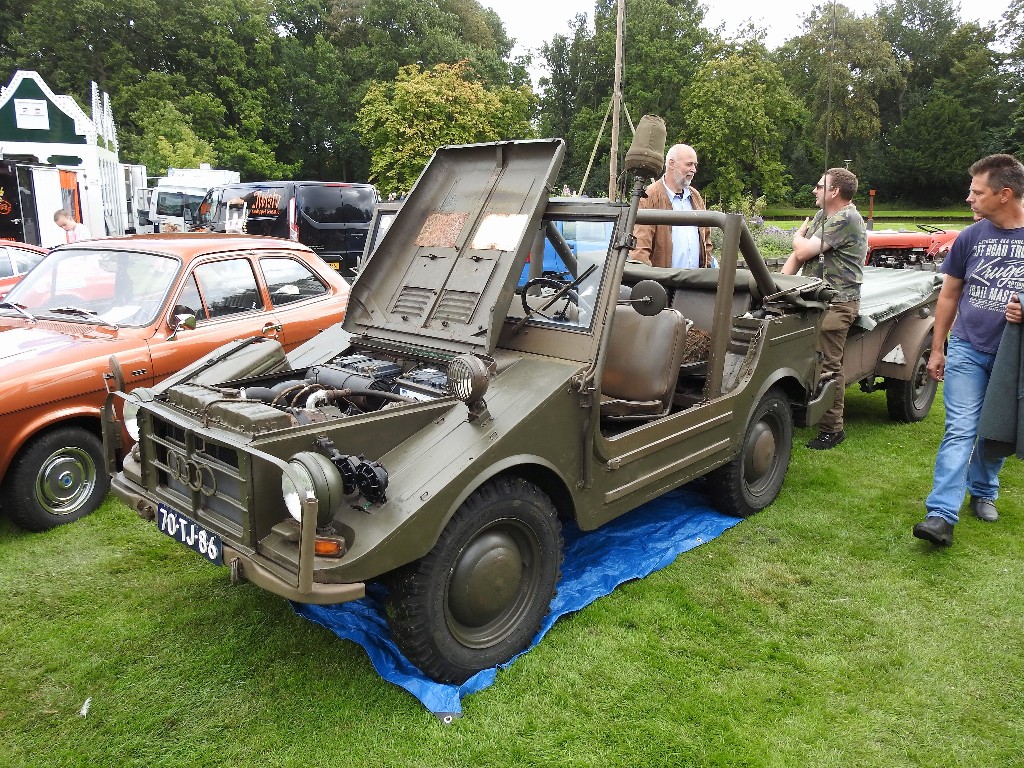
(114, 287)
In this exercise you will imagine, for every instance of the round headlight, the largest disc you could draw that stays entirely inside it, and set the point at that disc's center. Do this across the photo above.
(131, 416)
(293, 495)
(468, 378)
(318, 475)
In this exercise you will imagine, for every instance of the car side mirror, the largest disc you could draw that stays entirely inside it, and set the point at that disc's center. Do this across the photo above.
(181, 323)
(648, 298)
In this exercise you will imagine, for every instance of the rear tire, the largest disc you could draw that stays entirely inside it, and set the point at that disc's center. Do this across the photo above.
(57, 478)
(478, 597)
(910, 401)
(752, 480)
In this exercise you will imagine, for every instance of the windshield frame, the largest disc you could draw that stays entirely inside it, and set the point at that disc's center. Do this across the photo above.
(549, 337)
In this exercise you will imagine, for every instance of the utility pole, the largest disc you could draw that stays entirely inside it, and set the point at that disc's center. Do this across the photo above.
(613, 165)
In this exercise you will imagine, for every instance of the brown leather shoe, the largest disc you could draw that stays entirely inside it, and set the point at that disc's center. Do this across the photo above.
(936, 530)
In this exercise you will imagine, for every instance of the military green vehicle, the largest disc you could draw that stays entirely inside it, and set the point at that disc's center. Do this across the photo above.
(439, 438)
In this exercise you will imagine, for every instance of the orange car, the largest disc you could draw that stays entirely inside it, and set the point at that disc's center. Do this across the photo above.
(158, 302)
(15, 260)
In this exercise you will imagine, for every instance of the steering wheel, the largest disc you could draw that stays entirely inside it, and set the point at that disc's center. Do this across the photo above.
(562, 290)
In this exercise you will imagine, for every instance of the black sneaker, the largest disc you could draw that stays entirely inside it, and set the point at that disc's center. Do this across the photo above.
(936, 530)
(826, 440)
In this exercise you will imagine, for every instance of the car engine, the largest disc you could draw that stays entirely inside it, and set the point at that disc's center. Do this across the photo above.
(347, 386)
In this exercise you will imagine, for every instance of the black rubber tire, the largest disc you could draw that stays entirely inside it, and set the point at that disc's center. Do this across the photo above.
(57, 478)
(752, 480)
(910, 401)
(479, 596)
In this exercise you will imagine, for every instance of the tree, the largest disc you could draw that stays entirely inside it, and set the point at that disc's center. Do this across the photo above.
(379, 36)
(741, 112)
(168, 141)
(331, 52)
(927, 160)
(403, 121)
(665, 46)
(1013, 39)
(920, 32)
(840, 65)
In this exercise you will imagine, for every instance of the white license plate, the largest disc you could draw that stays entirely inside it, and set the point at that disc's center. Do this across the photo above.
(187, 531)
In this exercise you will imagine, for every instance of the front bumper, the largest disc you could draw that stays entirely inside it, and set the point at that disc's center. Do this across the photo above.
(243, 565)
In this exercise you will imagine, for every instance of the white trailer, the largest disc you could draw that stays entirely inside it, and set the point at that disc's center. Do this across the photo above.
(46, 136)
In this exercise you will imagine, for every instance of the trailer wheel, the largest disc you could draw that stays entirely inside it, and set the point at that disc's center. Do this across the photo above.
(752, 480)
(911, 400)
(478, 597)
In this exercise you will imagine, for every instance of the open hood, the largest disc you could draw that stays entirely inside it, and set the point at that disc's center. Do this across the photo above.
(445, 272)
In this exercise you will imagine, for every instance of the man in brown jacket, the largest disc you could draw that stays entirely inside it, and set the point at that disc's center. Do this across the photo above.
(664, 246)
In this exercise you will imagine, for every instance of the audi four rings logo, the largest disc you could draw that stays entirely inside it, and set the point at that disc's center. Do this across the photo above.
(196, 476)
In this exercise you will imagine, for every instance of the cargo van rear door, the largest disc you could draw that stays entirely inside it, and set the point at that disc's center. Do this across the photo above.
(333, 219)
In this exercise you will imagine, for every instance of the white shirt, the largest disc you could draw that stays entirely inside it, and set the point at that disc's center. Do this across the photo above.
(685, 240)
(76, 233)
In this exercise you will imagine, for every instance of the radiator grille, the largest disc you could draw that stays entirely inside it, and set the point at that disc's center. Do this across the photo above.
(202, 477)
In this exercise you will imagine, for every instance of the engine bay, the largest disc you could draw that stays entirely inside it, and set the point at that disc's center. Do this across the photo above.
(349, 385)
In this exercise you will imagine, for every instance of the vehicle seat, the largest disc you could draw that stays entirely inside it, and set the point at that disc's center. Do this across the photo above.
(642, 366)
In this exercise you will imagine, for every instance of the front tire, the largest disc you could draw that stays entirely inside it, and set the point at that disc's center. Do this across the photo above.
(752, 480)
(478, 597)
(910, 401)
(58, 477)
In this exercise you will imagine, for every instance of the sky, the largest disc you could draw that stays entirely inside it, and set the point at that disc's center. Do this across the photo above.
(532, 22)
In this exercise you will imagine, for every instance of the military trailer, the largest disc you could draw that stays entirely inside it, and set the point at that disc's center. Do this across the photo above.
(438, 439)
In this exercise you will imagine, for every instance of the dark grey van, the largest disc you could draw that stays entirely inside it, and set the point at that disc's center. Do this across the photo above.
(330, 217)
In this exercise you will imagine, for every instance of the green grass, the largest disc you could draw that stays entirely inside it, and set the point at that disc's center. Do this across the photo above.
(954, 213)
(817, 633)
(885, 223)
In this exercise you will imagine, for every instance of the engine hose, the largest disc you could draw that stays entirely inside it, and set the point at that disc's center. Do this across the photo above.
(263, 394)
(359, 392)
(307, 390)
(283, 394)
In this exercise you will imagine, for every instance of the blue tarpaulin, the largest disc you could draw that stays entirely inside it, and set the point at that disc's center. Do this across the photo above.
(630, 547)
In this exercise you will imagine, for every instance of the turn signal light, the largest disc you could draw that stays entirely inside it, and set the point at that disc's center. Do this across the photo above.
(324, 547)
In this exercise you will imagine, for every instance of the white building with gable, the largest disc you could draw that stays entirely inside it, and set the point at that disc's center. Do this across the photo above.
(60, 157)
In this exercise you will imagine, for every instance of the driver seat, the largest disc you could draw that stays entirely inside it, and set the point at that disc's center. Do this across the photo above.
(642, 364)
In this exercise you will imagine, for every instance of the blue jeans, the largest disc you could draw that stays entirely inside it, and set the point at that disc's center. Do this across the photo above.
(960, 465)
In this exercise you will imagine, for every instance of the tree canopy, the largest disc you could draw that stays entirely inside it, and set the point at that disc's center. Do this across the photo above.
(403, 121)
(356, 89)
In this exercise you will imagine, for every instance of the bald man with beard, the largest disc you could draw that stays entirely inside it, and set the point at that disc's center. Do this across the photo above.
(664, 246)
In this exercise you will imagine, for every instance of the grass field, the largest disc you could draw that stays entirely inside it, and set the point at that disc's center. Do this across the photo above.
(956, 217)
(817, 633)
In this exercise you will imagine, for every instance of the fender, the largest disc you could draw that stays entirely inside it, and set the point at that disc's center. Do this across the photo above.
(501, 467)
(909, 334)
(43, 420)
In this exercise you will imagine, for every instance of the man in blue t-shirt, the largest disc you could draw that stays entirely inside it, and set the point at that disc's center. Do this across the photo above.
(984, 272)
